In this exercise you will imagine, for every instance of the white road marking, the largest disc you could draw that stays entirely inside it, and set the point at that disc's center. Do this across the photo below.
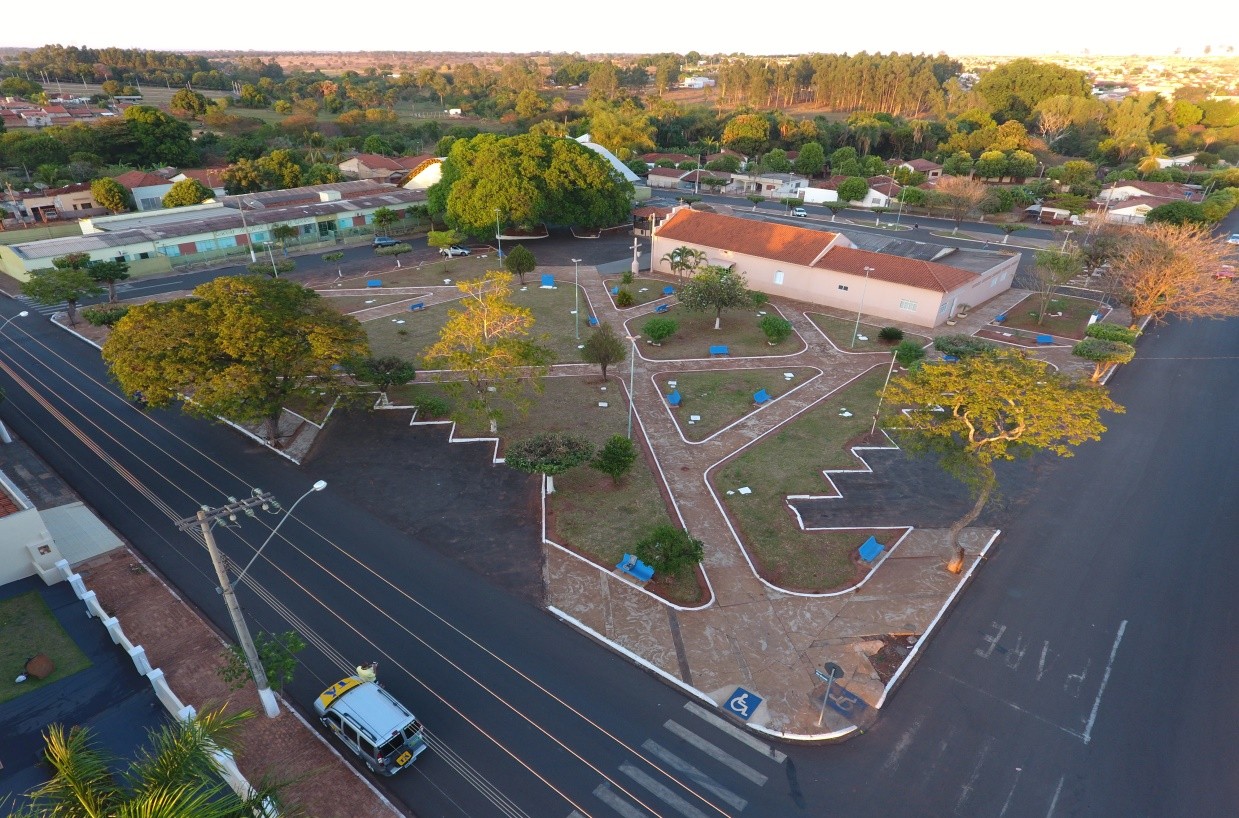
(976, 773)
(1016, 654)
(1105, 678)
(1014, 784)
(1074, 689)
(892, 760)
(716, 753)
(1041, 666)
(606, 795)
(1054, 800)
(1012, 705)
(693, 774)
(735, 732)
(992, 640)
(662, 792)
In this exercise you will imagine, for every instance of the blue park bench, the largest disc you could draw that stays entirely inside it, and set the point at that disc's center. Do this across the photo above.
(668, 290)
(1000, 317)
(375, 282)
(761, 396)
(661, 308)
(615, 291)
(870, 550)
(1045, 339)
(593, 322)
(635, 568)
(674, 399)
(951, 359)
(548, 282)
(420, 305)
(719, 349)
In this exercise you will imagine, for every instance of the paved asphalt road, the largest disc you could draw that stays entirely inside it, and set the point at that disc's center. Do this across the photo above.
(1083, 673)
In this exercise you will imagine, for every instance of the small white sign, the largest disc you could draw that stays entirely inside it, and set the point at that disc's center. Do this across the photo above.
(370, 301)
(603, 388)
(572, 312)
(671, 384)
(694, 418)
(862, 337)
(603, 404)
(447, 281)
(788, 375)
(745, 490)
(845, 414)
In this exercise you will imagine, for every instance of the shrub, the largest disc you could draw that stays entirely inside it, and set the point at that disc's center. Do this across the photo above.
(961, 346)
(1105, 354)
(624, 298)
(659, 329)
(434, 407)
(615, 458)
(776, 328)
(908, 352)
(330, 257)
(262, 268)
(669, 550)
(1108, 332)
(626, 278)
(890, 334)
(104, 316)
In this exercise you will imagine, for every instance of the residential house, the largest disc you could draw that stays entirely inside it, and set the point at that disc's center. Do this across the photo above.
(770, 185)
(666, 178)
(384, 168)
(932, 170)
(210, 178)
(652, 159)
(1129, 202)
(710, 157)
(697, 82)
(912, 282)
(71, 201)
(1176, 161)
(883, 192)
(148, 189)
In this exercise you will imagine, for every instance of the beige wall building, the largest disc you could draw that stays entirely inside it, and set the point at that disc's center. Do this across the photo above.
(829, 269)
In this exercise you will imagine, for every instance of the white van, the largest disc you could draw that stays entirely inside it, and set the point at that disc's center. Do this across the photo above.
(371, 723)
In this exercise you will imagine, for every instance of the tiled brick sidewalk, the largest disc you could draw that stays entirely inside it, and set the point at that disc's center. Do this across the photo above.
(190, 653)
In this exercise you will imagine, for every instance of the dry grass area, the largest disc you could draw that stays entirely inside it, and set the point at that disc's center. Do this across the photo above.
(722, 397)
(695, 335)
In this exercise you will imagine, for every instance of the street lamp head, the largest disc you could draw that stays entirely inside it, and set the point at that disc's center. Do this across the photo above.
(319, 485)
(576, 261)
(22, 314)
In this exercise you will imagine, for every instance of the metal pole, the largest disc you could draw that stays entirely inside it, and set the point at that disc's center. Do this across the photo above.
(269, 704)
(498, 237)
(1066, 239)
(830, 681)
(882, 396)
(248, 239)
(576, 292)
(274, 270)
(856, 329)
(632, 370)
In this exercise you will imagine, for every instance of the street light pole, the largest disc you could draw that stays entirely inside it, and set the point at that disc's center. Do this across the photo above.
(860, 309)
(248, 241)
(1066, 239)
(498, 237)
(4, 432)
(632, 371)
(882, 396)
(274, 270)
(318, 486)
(576, 292)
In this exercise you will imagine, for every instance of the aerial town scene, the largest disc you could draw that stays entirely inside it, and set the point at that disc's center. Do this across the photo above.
(567, 412)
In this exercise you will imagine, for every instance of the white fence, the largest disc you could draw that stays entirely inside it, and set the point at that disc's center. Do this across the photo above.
(163, 691)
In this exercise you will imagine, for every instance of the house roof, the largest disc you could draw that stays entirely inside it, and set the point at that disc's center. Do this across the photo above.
(795, 245)
(651, 158)
(726, 152)
(884, 185)
(922, 165)
(911, 272)
(140, 178)
(52, 192)
(209, 177)
(413, 162)
(671, 173)
(1170, 190)
(377, 162)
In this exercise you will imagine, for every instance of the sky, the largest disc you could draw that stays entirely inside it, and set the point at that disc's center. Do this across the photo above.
(720, 26)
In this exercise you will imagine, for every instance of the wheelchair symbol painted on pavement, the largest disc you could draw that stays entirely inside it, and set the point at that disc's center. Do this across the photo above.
(743, 703)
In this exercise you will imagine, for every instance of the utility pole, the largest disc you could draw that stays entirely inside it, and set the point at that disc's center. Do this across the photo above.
(204, 519)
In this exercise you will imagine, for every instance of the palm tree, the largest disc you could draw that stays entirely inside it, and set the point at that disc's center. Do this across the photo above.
(1149, 163)
(315, 144)
(175, 775)
(692, 258)
(675, 260)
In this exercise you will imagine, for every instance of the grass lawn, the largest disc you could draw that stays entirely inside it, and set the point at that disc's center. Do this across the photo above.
(552, 312)
(30, 628)
(653, 289)
(839, 331)
(725, 396)
(587, 512)
(1071, 324)
(696, 334)
(349, 304)
(790, 461)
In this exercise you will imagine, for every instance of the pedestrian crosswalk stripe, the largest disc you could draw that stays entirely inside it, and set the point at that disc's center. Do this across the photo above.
(606, 795)
(717, 753)
(693, 774)
(662, 792)
(735, 732)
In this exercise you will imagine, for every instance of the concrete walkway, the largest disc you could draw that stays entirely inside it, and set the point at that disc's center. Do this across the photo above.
(752, 634)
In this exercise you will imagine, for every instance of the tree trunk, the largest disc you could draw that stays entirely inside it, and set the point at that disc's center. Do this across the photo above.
(717, 318)
(111, 292)
(272, 427)
(956, 565)
(71, 310)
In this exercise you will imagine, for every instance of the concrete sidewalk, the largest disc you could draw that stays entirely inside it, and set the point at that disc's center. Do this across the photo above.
(752, 634)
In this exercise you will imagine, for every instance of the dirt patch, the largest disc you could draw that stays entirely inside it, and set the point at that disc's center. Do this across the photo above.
(1007, 337)
(895, 649)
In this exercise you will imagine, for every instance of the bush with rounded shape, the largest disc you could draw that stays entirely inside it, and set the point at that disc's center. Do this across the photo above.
(1104, 354)
(433, 407)
(961, 345)
(1111, 332)
(626, 278)
(776, 328)
(659, 329)
(615, 458)
(625, 299)
(890, 334)
(908, 352)
(669, 550)
(104, 316)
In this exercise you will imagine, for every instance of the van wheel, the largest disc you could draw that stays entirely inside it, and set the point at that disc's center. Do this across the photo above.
(370, 766)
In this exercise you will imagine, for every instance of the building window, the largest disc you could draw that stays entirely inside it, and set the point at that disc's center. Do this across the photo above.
(778, 276)
(152, 204)
(905, 304)
(843, 287)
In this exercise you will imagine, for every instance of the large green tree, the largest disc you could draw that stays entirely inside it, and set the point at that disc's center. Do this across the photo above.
(715, 288)
(531, 179)
(159, 138)
(176, 774)
(68, 283)
(1014, 88)
(549, 454)
(107, 272)
(111, 194)
(998, 405)
(240, 348)
(187, 192)
(604, 347)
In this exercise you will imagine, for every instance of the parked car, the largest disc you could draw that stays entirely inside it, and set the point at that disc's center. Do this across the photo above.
(1234, 238)
(385, 241)
(454, 250)
(799, 212)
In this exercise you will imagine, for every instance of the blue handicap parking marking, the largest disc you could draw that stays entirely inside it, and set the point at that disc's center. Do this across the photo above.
(743, 703)
(846, 702)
